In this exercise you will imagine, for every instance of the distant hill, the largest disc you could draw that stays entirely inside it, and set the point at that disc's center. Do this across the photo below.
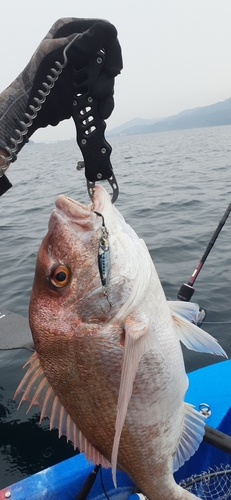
(207, 116)
(130, 124)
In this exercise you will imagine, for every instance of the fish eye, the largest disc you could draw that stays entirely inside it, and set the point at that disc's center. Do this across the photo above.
(60, 276)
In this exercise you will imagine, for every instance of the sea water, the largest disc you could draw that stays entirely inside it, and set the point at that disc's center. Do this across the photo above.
(174, 190)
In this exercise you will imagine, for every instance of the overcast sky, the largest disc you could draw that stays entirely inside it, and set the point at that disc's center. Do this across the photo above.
(177, 53)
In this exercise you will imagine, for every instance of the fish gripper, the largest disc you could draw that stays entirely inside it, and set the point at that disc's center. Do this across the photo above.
(90, 128)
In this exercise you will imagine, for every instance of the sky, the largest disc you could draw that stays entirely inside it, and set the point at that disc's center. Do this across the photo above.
(176, 53)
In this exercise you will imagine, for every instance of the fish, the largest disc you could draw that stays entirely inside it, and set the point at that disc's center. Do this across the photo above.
(108, 368)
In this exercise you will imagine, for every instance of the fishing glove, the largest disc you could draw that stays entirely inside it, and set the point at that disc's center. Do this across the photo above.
(82, 39)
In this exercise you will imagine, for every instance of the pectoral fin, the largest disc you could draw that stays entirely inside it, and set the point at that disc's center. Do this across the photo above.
(137, 342)
(191, 437)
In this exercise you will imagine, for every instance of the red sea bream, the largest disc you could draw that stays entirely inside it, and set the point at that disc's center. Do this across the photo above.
(108, 368)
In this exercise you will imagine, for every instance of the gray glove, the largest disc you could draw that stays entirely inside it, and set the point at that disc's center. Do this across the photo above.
(73, 43)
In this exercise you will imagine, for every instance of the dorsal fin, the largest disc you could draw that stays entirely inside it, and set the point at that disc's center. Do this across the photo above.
(38, 391)
(191, 436)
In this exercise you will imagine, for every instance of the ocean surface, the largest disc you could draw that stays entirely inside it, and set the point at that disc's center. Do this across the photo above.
(174, 190)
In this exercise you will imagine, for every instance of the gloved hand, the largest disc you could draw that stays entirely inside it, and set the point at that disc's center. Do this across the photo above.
(93, 35)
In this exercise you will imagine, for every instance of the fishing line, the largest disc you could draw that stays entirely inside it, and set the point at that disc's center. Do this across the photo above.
(217, 322)
(102, 483)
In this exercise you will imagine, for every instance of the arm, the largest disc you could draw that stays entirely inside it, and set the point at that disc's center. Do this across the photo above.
(3, 152)
(5, 184)
(43, 93)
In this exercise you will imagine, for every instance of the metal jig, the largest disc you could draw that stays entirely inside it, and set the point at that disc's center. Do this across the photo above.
(104, 257)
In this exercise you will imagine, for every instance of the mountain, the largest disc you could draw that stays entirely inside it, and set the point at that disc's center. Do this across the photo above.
(129, 125)
(207, 116)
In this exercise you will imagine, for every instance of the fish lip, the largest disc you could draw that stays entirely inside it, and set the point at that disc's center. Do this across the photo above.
(73, 213)
(79, 217)
(72, 208)
(81, 214)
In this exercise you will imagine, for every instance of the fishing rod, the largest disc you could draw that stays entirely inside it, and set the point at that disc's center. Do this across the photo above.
(186, 290)
(87, 485)
(212, 436)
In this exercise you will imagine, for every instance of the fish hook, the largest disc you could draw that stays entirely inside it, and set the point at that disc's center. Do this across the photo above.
(106, 297)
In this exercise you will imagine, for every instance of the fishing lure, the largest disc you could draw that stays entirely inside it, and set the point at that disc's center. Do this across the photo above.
(104, 256)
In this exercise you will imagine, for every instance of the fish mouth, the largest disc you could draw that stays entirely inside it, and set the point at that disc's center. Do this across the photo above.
(74, 214)
(71, 208)
(78, 215)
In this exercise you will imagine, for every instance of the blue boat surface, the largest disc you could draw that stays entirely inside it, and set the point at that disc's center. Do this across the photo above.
(209, 388)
